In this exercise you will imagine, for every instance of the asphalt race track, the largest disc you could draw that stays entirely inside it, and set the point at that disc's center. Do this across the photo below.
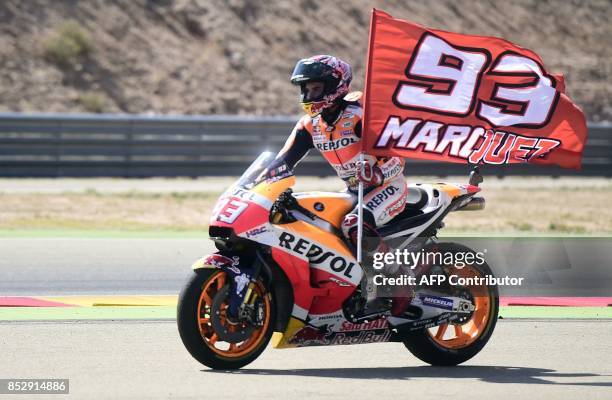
(59, 266)
(145, 359)
(526, 358)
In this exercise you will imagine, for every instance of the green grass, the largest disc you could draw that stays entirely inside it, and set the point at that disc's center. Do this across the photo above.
(169, 312)
(561, 227)
(556, 312)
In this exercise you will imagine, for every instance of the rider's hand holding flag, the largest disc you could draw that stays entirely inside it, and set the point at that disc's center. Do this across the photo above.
(370, 175)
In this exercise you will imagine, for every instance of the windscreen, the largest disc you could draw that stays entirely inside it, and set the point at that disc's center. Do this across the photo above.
(265, 167)
(255, 169)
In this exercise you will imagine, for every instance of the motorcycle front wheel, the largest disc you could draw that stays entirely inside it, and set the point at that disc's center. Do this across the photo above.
(205, 331)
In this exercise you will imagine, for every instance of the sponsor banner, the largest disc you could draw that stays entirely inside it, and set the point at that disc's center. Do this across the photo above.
(446, 96)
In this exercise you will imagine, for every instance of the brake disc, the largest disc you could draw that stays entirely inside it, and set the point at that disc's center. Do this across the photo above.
(240, 333)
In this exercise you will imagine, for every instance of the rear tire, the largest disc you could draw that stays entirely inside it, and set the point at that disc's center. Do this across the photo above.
(434, 350)
(197, 336)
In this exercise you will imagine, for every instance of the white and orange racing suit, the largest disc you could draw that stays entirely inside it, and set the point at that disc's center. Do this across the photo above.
(337, 135)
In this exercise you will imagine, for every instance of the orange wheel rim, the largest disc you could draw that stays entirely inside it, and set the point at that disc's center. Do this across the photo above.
(462, 334)
(210, 337)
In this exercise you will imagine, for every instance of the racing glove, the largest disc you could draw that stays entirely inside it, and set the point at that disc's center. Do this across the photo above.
(370, 175)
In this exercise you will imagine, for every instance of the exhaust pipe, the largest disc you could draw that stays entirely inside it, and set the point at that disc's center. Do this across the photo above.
(475, 203)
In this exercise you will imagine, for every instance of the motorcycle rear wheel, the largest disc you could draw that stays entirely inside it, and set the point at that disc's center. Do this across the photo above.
(442, 346)
(203, 296)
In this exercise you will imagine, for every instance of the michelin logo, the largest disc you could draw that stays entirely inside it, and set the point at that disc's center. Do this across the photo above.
(438, 302)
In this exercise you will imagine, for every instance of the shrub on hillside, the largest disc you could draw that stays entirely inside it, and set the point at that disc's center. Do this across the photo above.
(68, 44)
(93, 102)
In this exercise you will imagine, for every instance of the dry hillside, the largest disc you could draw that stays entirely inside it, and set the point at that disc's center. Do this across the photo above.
(234, 57)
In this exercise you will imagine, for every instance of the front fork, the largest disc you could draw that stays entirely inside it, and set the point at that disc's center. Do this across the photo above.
(243, 274)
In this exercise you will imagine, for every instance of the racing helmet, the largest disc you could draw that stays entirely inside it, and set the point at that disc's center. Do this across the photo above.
(334, 73)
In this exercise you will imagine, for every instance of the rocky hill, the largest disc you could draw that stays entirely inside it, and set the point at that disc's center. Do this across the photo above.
(235, 56)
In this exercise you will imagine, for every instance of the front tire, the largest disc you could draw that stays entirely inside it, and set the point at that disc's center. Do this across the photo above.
(442, 346)
(201, 311)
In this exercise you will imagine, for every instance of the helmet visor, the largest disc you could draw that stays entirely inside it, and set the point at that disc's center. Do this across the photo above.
(306, 70)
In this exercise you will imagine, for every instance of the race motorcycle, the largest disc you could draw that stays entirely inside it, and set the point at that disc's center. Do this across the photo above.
(283, 271)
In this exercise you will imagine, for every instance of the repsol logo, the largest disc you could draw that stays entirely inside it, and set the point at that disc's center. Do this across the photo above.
(382, 196)
(316, 254)
(396, 169)
(336, 144)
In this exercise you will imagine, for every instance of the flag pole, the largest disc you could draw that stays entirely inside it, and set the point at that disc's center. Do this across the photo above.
(360, 211)
(365, 121)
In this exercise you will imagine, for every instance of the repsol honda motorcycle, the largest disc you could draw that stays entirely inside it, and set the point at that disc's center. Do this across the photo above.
(283, 271)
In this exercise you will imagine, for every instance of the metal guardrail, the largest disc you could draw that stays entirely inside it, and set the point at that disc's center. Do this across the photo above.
(91, 145)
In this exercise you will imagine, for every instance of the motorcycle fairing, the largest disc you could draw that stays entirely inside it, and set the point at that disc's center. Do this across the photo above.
(241, 210)
(319, 265)
(321, 269)
(329, 206)
(436, 201)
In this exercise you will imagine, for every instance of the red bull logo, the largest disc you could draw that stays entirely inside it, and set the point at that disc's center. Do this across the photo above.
(309, 335)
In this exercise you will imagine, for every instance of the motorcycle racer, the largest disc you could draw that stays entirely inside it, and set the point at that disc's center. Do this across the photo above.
(332, 125)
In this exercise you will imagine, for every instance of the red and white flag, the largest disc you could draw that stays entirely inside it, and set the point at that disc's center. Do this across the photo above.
(446, 96)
